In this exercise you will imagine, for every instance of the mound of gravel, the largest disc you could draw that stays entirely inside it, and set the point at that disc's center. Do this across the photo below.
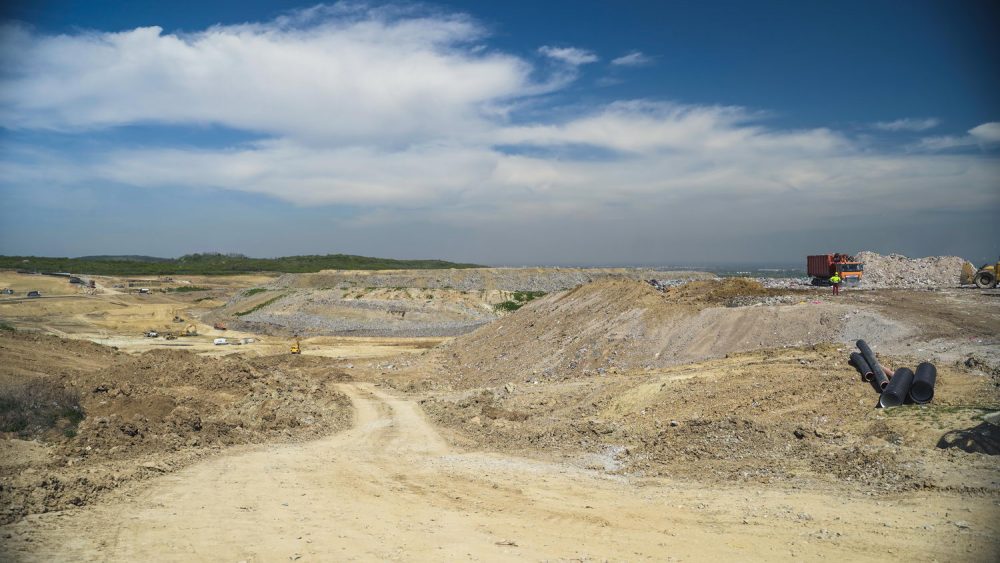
(477, 279)
(621, 325)
(898, 271)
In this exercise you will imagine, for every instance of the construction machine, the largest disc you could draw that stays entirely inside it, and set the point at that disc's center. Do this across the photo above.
(822, 266)
(191, 330)
(296, 348)
(986, 276)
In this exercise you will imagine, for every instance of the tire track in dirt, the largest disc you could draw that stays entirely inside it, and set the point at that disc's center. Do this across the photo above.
(390, 488)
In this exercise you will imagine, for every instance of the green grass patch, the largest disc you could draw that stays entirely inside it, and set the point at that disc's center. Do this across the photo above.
(525, 296)
(253, 291)
(517, 300)
(260, 305)
(7, 327)
(187, 289)
(508, 306)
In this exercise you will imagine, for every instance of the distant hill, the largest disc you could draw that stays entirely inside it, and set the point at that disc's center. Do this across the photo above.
(215, 264)
(122, 258)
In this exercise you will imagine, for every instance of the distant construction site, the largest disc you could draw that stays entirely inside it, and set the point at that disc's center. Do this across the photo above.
(504, 413)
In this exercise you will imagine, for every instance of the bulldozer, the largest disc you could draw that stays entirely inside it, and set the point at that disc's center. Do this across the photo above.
(296, 348)
(986, 276)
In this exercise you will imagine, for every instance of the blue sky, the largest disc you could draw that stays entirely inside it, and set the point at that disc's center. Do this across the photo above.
(501, 132)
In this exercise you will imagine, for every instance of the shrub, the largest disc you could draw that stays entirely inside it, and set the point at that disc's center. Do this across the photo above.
(254, 291)
(33, 406)
(508, 306)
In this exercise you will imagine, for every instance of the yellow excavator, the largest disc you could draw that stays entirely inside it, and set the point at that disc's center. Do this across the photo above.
(296, 348)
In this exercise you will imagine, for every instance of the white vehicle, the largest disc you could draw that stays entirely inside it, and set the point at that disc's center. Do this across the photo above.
(220, 342)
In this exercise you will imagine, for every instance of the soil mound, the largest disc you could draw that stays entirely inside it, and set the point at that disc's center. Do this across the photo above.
(609, 326)
(793, 417)
(150, 413)
(898, 271)
(714, 292)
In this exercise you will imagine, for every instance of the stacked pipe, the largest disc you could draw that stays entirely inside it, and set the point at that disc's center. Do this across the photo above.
(895, 387)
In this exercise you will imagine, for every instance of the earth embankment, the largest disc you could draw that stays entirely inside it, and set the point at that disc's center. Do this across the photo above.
(405, 303)
(130, 417)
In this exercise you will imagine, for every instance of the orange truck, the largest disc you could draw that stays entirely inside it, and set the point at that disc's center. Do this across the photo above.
(821, 266)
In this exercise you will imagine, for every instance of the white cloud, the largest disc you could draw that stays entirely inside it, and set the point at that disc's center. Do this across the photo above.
(635, 58)
(406, 113)
(350, 80)
(569, 55)
(908, 124)
(649, 127)
(987, 132)
(983, 135)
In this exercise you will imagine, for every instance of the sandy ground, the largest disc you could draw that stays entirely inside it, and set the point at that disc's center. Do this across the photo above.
(495, 446)
(113, 318)
(391, 489)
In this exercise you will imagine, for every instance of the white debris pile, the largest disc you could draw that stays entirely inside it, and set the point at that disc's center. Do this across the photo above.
(896, 270)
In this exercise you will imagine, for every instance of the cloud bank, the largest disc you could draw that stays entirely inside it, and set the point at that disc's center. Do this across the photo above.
(401, 113)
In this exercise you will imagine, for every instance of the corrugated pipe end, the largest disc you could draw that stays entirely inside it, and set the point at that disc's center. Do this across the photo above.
(922, 390)
(895, 393)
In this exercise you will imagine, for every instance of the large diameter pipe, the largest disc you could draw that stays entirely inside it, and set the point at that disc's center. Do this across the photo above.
(922, 390)
(876, 367)
(859, 362)
(894, 393)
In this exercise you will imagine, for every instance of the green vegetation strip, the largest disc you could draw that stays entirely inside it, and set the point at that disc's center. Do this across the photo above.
(517, 300)
(260, 305)
(253, 291)
(214, 264)
(188, 289)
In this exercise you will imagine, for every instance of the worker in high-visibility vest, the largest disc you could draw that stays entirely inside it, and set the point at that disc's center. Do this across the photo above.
(835, 280)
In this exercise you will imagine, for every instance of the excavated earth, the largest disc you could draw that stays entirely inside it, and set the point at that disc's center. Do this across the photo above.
(148, 414)
(711, 420)
(406, 303)
(689, 384)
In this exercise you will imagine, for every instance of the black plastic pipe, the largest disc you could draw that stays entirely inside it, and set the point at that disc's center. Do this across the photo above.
(922, 390)
(895, 393)
(859, 362)
(877, 370)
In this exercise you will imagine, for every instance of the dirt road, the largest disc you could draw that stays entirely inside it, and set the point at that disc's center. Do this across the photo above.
(391, 489)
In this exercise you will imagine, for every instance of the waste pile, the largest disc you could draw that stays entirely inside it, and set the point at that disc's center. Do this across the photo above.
(662, 285)
(895, 387)
(898, 271)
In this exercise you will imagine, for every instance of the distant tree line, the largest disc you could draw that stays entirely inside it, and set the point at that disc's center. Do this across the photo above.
(214, 263)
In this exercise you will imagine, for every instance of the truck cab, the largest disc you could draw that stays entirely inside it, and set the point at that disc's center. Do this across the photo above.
(820, 267)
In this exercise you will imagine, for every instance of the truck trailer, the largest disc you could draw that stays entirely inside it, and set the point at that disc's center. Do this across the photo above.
(821, 266)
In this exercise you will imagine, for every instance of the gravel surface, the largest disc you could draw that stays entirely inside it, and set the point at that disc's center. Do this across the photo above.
(311, 324)
(506, 279)
(898, 271)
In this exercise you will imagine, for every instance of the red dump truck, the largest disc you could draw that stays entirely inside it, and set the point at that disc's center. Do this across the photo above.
(821, 266)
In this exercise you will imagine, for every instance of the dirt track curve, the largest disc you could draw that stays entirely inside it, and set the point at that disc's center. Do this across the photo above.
(390, 488)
